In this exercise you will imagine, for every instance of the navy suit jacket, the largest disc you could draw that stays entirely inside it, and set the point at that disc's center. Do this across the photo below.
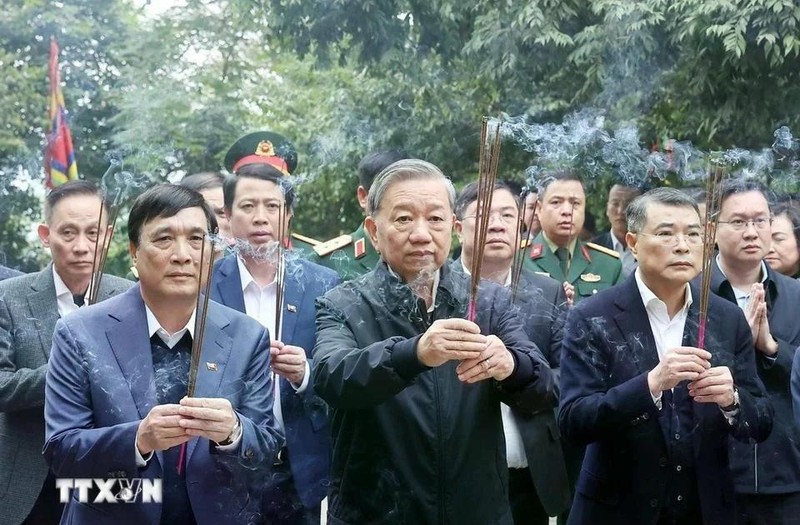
(100, 385)
(305, 416)
(608, 349)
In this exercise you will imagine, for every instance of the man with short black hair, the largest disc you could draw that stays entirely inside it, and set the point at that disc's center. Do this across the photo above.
(117, 403)
(537, 476)
(655, 410)
(767, 475)
(558, 251)
(259, 204)
(30, 305)
(209, 185)
(619, 196)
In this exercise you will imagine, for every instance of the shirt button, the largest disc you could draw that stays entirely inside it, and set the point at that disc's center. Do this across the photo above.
(680, 498)
(645, 416)
(678, 468)
(677, 437)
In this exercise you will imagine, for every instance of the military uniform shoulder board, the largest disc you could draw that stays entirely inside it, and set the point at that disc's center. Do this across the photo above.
(536, 251)
(309, 240)
(325, 248)
(360, 248)
(524, 243)
(602, 249)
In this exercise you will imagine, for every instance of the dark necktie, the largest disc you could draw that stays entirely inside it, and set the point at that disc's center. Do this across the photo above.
(563, 260)
(78, 299)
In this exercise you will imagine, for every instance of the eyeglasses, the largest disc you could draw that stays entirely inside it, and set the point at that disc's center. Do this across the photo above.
(672, 239)
(507, 218)
(759, 223)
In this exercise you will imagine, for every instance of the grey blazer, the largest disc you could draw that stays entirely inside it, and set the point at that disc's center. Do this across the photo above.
(28, 315)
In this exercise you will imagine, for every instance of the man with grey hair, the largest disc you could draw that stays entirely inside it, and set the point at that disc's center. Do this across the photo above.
(414, 387)
(654, 409)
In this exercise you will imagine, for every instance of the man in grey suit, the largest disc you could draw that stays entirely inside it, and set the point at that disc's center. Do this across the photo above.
(30, 305)
(7, 273)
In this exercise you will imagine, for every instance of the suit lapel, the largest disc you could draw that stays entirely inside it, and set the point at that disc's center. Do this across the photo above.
(131, 346)
(292, 302)
(632, 322)
(43, 308)
(214, 358)
(229, 284)
(578, 264)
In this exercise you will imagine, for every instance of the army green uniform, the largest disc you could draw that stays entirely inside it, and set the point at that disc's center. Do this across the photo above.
(593, 267)
(303, 245)
(348, 255)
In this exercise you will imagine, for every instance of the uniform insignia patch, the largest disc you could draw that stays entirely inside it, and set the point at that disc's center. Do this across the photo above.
(590, 278)
(360, 248)
(211, 366)
(291, 307)
(536, 251)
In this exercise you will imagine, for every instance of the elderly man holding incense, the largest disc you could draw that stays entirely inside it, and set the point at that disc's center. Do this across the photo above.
(767, 475)
(29, 308)
(414, 387)
(655, 408)
(116, 403)
(537, 475)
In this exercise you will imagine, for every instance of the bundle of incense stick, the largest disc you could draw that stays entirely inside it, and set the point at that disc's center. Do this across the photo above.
(715, 176)
(521, 248)
(279, 274)
(101, 248)
(487, 177)
(200, 315)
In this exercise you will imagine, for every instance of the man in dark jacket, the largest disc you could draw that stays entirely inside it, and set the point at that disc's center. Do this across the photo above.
(767, 475)
(415, 388)
(655, 410)
(537, 476)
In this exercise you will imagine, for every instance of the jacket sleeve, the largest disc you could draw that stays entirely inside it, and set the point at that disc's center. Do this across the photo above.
(20, 388)
(73, 447)
(589, 410)
(754, 421)
(778, 370)
(531, 387)
(352, 378)
(796, 388)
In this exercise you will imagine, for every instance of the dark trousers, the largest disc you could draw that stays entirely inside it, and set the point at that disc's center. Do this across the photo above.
(280, 503)
(47, 509)
(525, 504)
(768, 509)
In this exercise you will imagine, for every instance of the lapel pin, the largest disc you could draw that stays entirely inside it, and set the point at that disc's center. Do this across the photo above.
(211, 366)
(291, 307)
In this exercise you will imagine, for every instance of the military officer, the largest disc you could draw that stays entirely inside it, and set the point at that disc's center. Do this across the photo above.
(353, 255)
(272, 149)
(556, 251)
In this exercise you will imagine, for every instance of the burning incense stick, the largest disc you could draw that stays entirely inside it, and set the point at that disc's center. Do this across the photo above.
(519, 254)
(715, 176)
(200, 316)
(279, 275)
(487, 177)
(101, 250)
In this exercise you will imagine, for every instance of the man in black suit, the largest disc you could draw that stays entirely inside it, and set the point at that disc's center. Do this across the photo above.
(538, 486)
(654, 408)
(766, 476)
(619, 196)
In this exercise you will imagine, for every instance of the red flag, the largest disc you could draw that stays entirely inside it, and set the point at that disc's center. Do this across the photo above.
(59, 157)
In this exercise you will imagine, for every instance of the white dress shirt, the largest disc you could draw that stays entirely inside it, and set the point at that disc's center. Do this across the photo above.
(668, 333)
(515, 447)
(259, 303)
(64, 299)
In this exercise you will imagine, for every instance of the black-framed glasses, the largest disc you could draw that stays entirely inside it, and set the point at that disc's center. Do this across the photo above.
(759, 223)
(672, 239)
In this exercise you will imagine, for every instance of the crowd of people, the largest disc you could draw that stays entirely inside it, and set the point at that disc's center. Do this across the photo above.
(368, 379)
